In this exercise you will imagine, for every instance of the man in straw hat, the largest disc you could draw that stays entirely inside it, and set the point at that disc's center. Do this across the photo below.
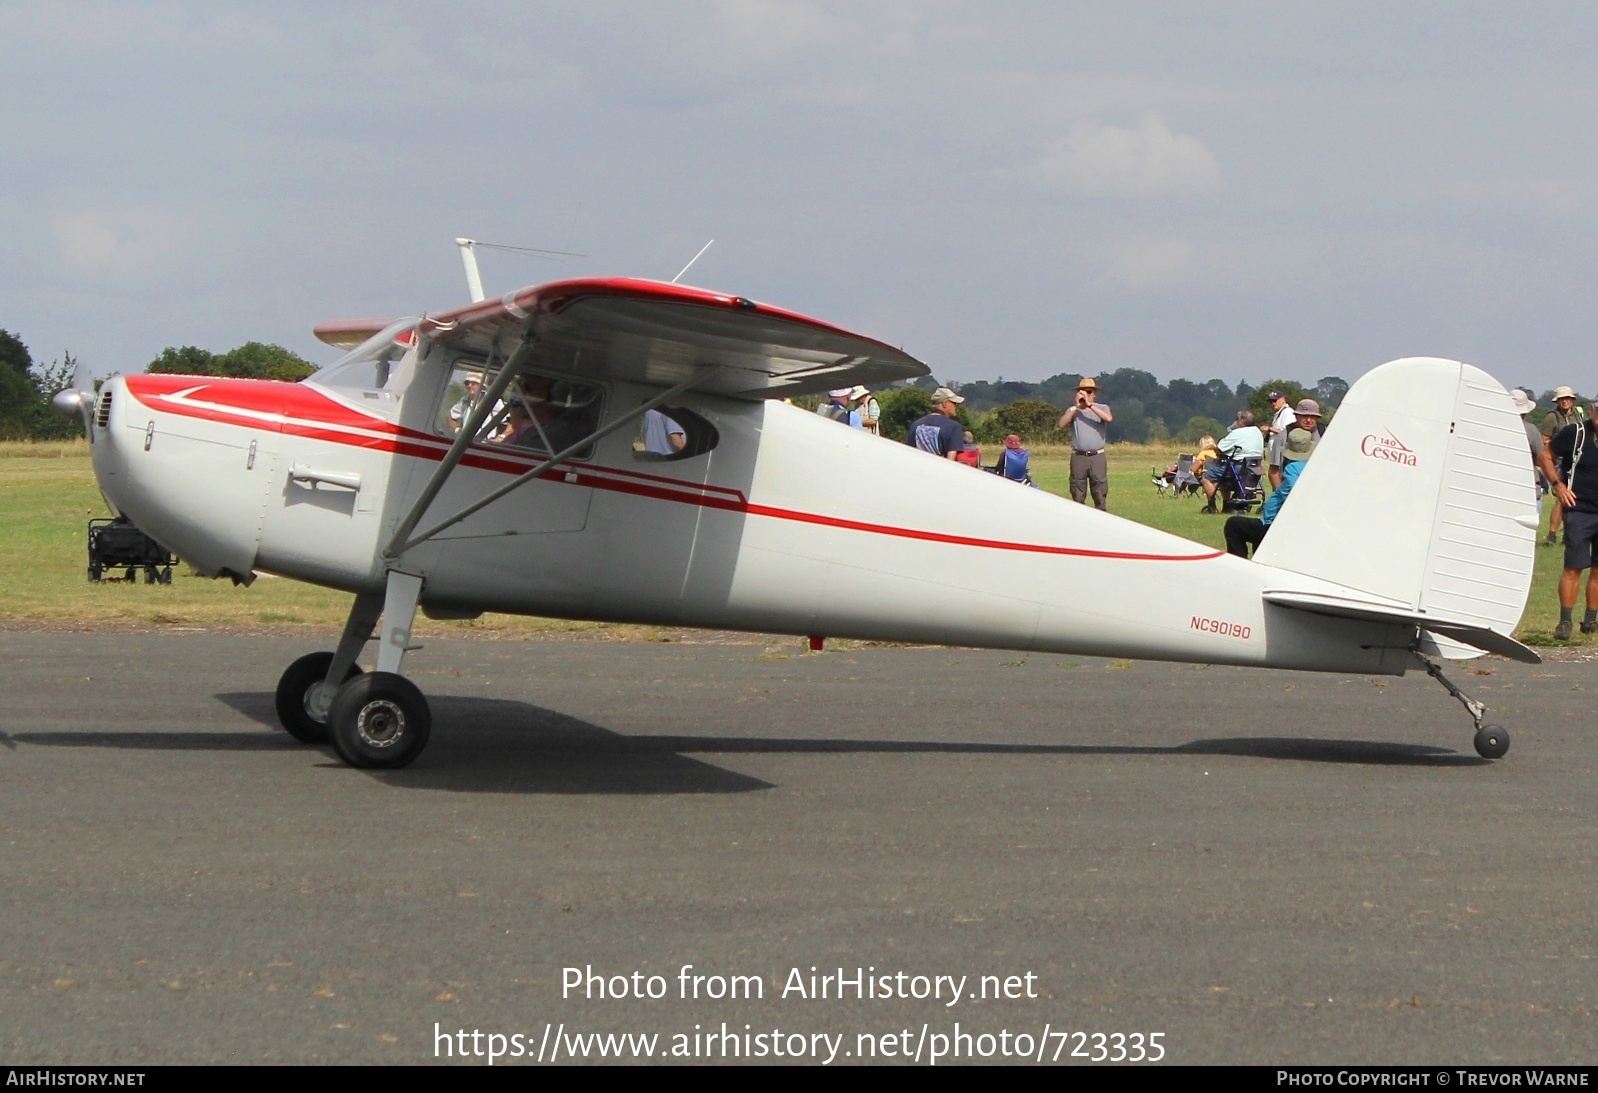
(868, 408)
(1088, 422)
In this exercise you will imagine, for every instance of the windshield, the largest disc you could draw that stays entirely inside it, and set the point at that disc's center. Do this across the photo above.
(374, 365)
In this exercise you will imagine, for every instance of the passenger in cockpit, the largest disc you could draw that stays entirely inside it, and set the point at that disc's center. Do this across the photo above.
(538, 421)
(519, 428)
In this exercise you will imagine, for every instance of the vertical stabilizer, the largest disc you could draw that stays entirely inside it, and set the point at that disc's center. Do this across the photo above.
(1421, 492)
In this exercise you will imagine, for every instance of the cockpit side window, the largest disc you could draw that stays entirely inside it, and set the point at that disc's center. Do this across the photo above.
(538, 412)
(673, 433)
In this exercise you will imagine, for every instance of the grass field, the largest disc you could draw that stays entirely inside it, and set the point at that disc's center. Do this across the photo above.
(47, 495)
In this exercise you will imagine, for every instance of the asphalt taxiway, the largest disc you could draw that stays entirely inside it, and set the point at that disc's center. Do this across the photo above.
(1261, 867)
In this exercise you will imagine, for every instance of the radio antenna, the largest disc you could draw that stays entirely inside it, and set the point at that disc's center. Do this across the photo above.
(691, 262)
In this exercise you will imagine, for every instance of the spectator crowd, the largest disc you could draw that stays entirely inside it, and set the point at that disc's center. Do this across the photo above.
(1258, 462)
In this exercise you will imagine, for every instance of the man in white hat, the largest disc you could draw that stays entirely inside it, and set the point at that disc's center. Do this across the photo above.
(837, 407)
(1089, 422)
(1565, 412)
(473, 383)
(938, 432)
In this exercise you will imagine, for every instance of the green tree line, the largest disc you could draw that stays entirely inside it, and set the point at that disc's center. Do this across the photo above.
(252, 361)
(1146, 410)
(26, 389)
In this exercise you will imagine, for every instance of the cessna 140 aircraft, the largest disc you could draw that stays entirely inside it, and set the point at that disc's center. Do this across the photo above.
(1410, 535)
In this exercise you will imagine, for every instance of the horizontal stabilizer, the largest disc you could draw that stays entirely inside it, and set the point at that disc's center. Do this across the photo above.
(1348, 607)
(346, 334)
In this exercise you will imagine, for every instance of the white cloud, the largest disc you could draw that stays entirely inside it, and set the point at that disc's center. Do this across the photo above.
(1107, 161)
(1152, 263)
(119, 242)
(759, 31)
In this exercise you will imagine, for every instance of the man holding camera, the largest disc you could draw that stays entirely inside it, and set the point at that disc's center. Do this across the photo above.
(1089, 422)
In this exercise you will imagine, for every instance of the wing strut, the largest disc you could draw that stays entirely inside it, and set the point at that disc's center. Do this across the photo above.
(463, 440)
(624, 420)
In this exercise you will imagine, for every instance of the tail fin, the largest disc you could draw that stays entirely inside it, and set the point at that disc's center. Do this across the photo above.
(1421, 493)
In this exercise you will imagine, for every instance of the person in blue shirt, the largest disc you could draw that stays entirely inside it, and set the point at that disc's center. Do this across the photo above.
(938, 433)
(1243, 532)
(1243, 442)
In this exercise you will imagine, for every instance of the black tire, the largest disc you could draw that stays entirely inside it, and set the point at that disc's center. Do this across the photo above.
(1492, 741)
(294, 692)
(379, 722)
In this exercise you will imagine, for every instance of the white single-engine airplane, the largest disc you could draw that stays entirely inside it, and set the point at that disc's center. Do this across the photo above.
(388, 474)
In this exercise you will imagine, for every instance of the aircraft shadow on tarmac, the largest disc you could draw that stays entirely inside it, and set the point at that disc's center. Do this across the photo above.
(491, 745)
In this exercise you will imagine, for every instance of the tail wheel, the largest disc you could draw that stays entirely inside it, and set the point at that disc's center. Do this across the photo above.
(298, 708)
(379, 722)
(1492, 741)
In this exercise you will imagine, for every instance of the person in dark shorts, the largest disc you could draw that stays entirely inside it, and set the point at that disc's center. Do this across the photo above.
(1576, 447)
(1565, 412)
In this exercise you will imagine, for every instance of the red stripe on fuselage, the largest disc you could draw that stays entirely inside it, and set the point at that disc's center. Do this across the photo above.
(231, 402)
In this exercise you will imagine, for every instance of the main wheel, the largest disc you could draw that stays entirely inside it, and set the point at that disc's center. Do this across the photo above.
(379, 721)
(1492, 741)
(297, 691)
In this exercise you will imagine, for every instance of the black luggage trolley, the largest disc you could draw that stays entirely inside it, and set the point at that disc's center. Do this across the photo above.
(118, 544)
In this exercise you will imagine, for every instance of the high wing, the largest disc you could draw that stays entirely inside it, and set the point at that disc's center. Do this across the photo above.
(664, 334)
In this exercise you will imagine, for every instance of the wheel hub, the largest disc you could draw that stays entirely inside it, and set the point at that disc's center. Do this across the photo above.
(381, 724)
(318, 699)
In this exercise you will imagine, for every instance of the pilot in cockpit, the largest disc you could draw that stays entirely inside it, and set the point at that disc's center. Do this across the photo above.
(539, 420)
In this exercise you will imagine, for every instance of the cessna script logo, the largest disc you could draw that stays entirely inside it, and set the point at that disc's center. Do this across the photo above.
(1387, 448)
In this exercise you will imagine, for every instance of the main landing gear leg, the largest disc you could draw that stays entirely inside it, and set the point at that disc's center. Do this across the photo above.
(305, 691)
(1492, 741)
(381, 720)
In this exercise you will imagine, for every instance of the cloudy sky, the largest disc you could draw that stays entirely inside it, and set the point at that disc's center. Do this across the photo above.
(1241, 190)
